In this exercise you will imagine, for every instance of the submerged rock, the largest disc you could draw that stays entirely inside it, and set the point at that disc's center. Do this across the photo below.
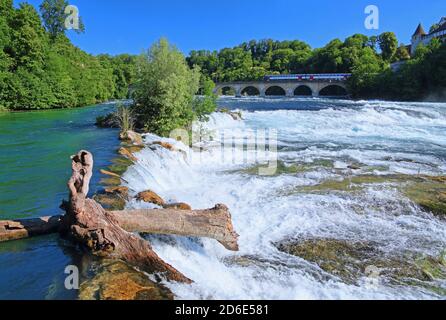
(120, 190)
(111, 201)
(108, 121)
(126, 153)
(429, 194)
(151, 197)
(236, 115)
(286, 168)
(351, 261)
(118, 281)
(165, 145)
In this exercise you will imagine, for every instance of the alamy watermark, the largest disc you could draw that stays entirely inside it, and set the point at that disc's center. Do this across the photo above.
(72, 279)
(372, 20)
(233, 147)
(72, 19)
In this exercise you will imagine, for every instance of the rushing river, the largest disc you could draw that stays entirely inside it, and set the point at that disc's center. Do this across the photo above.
(322, 139)
(318, 141)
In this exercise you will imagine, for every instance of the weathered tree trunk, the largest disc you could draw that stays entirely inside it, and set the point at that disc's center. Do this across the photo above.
(110, 234)
(212, 223)
(21, 229)
(89, 224)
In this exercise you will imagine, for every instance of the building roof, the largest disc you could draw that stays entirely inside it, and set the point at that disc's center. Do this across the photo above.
(441, 27)
(420, 31)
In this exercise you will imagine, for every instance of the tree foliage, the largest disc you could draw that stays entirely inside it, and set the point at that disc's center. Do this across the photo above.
(254, 59)
(41, 69)
(165, 90)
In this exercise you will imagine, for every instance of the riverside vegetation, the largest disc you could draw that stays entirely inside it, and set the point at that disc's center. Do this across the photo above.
(41, 69)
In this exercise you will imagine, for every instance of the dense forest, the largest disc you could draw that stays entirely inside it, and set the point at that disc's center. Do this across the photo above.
(41, 69)
(255, 59)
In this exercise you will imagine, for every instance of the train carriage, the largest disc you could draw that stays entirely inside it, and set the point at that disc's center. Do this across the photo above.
(309, 77)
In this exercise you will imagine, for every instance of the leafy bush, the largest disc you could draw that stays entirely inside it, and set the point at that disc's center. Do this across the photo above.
(165, 89)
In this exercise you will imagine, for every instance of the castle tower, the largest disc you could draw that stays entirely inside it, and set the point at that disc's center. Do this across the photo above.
(417, 38)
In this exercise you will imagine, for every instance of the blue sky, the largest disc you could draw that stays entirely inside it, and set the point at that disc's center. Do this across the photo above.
(130, 26)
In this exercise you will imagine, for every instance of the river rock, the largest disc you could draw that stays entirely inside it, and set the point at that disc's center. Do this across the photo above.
(109, 173)
(151, 197)
(237, 116)
(121, 190)
(178, 206)
(111, 201)
(126, 153)
(351, 261)
(165, 145)
(429, 193)
(131, 136)
(119, 281)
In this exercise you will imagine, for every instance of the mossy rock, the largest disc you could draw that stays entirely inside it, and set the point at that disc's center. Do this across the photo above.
(339, 258)
(116, 280)
(132, 147)
(429, 194)
(107, 121)
(119, 169)
(110, 181)
(350, 261)
(111, 201)
(122, 161)
(284, 168)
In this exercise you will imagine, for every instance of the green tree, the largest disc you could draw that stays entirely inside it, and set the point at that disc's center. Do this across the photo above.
(365, 71)
(165, 89)
(207, 102)
(402, 53)
(388, 43)
(54, 16)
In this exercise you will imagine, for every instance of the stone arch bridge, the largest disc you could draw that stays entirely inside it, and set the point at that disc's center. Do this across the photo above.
(283, 88)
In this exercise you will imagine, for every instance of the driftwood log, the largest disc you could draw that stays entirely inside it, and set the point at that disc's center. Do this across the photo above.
(21, 229)
(111, 234)
(88, 224)
(212, 223)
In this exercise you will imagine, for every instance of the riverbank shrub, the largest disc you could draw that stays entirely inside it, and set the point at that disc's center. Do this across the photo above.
(124, 118)
(165, 91)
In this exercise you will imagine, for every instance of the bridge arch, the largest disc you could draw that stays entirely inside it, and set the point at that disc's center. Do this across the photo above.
(303, 91)
(275, 90)
(333, 90)
(227, 90)
(250, 91)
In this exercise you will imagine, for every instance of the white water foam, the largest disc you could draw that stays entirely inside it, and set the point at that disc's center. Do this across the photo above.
(267, 210)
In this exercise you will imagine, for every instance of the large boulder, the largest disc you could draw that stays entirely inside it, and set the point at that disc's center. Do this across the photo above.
(118, 281)
(131, 136)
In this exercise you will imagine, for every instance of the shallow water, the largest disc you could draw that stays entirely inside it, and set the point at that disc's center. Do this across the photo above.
(326, 137)
(35, 150)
